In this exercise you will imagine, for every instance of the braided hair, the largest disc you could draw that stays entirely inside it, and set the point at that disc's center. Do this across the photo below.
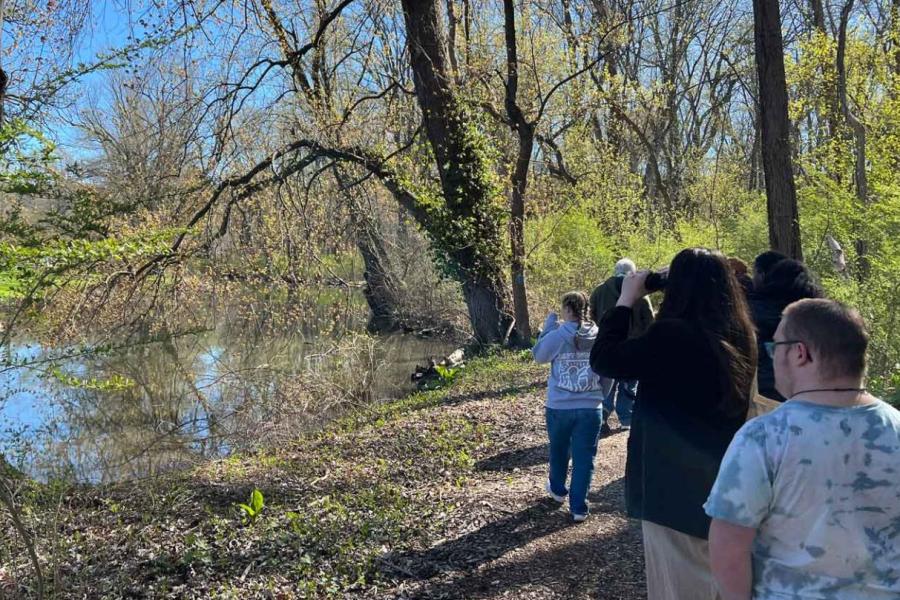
(578, 303)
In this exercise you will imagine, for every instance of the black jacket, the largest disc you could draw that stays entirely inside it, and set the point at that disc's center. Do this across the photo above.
(766, 311)
(677, 437)
(605, 296)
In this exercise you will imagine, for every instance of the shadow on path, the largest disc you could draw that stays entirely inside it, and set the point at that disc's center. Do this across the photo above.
(608, 566)
(509, 390)
(609, 499)
(485, 544)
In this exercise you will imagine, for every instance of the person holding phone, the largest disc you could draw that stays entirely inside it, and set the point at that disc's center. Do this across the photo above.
(696, 364)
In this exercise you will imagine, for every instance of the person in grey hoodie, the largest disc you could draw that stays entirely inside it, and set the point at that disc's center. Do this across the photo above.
(574, 397)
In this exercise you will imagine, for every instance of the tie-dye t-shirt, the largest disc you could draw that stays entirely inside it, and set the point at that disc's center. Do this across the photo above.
(822, 487)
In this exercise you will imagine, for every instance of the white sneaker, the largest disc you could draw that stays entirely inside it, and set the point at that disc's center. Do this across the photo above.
(556, 497)
(579, 518)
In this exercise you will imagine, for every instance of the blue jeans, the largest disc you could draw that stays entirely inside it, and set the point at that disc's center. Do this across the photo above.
(573, 433)
(621, 395)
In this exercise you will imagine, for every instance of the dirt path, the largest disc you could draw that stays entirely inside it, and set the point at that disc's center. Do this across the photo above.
(506, 539)
(439, 495)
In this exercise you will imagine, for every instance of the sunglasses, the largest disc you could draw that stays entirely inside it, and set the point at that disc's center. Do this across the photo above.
(770, 346)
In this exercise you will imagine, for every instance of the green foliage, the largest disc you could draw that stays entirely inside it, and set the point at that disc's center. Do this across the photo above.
(9, 286)
(577, 255)
(446, 373)
(454, 442)
(827, 209)
(569, 252)
(342, 535)
(36, 269)
(250, 512)
(25, 157)
(828, 200)
(467, 215)
(112, 384)
(445, 377)
(86, 214)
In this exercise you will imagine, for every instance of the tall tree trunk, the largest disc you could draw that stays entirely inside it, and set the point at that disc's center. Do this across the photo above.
(670, 125)
(4, 78)
(451, 40)
(860, 178)
(517, 234)
(831, 119)
(615, 130)
(781, 194)
(895, 33)
(519, 178)
(756, 175)
(471, 229)
(818, 15)
(467, 30)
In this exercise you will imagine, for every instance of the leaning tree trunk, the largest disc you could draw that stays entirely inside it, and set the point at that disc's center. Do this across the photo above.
(781, 194)
(382, 290)
(469, 222)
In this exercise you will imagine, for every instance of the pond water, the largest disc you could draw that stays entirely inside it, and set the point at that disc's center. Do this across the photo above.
(156, 405)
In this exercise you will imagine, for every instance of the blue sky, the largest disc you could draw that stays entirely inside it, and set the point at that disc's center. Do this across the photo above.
(107, 31)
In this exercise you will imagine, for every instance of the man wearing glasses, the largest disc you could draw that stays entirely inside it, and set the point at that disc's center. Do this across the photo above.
(807, 501)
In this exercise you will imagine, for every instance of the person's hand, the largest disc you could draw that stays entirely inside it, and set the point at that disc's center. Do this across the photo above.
(633, 288)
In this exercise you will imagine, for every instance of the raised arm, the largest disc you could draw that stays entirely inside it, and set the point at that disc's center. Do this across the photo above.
(614, 355)
(550, 340)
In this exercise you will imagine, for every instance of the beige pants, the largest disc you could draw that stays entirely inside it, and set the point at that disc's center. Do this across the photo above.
(677, 565)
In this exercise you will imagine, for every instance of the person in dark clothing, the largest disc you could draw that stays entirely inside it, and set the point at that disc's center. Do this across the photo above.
(787, 281)
(763, 263)
(622, 392)
(696, 364)
(605, 296)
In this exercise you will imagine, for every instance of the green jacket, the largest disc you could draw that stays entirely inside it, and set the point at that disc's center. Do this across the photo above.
(605, 297)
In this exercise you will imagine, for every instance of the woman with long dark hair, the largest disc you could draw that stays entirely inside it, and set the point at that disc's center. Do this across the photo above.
(696, 367)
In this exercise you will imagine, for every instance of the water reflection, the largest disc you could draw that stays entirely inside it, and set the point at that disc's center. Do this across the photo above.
(190, 397)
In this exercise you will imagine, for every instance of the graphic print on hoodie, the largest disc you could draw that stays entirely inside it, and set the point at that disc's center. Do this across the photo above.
(573, 369)
(567, 347)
